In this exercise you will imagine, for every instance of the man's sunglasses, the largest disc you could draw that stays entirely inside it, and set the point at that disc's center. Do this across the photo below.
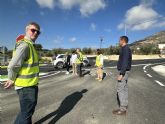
(34, 30)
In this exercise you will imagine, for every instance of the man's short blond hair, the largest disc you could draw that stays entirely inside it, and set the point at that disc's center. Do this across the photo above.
(33, 23)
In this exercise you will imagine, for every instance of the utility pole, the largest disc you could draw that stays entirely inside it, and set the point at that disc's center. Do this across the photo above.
(101, 41)
(125, 29)
(4, 54)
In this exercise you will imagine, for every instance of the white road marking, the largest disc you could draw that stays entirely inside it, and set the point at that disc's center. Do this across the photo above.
(158, 82)
(144, 68)
(4, 79)
(63, 71)
(138, 65)
(50, 74)
(149, 75)
(87, 69)
(41, 74)
(132, 65)
(150, 64)
(111, 67)
(110, 73)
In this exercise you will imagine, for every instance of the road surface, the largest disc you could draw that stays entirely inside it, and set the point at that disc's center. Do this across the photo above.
(66, 99)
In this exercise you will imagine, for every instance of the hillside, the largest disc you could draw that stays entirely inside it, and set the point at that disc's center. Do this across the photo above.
(153, 39)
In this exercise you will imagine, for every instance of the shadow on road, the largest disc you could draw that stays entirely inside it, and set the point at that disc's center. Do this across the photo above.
(66, 106)
(104, 75)
(86, 73)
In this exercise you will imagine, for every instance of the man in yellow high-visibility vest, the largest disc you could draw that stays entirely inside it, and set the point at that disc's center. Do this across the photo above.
(79, 62)
(23, 73)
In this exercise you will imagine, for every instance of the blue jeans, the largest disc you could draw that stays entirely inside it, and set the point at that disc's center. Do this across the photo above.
(28, 101)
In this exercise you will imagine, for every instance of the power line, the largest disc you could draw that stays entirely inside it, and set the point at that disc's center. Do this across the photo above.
(125, 25)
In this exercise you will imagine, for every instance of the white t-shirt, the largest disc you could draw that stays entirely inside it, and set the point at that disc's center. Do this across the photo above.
(73, 58)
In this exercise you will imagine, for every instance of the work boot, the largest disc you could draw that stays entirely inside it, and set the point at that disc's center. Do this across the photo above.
(119, 112)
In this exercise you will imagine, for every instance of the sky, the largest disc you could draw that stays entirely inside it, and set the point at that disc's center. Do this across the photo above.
(81, 23)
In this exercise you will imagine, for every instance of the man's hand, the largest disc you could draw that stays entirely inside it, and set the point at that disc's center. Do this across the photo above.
(8, 84)
(120, 77)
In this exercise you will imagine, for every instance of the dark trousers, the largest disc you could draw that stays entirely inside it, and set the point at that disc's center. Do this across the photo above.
(67, 66)
(79, 69)
(28, 101)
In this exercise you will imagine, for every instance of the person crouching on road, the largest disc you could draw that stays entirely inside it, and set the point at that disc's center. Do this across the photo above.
(68, 57)
(23, 72)
(123, 66)
(73, 62)
(99, 65)
(79, 62)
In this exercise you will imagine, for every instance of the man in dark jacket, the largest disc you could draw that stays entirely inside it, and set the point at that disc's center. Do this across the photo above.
(123, 66)
(68, 57)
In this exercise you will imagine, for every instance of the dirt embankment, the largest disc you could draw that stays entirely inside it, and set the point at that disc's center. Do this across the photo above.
(134, 57)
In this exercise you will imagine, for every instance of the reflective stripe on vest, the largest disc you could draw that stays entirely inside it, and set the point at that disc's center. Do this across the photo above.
(29, 72)
(28, 76)
(30, 65)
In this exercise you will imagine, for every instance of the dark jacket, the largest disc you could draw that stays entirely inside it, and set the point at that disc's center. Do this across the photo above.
(68, 57)
(125, 60)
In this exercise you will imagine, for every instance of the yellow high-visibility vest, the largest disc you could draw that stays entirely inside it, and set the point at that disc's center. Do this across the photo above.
(80, 59)
(98, 57)
(29, 72)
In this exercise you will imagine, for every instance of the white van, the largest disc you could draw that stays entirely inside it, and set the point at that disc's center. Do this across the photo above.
(60, 60)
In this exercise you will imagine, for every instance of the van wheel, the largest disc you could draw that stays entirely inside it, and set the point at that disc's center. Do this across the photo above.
(85, 63)
(60, 65)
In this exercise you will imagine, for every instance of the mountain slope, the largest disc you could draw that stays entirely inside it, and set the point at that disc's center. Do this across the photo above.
(153, 39)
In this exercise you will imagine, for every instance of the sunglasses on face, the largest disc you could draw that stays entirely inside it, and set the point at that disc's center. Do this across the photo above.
(34, 30)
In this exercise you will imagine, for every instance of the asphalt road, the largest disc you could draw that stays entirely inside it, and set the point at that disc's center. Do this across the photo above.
(66, 99)
(49, 67)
